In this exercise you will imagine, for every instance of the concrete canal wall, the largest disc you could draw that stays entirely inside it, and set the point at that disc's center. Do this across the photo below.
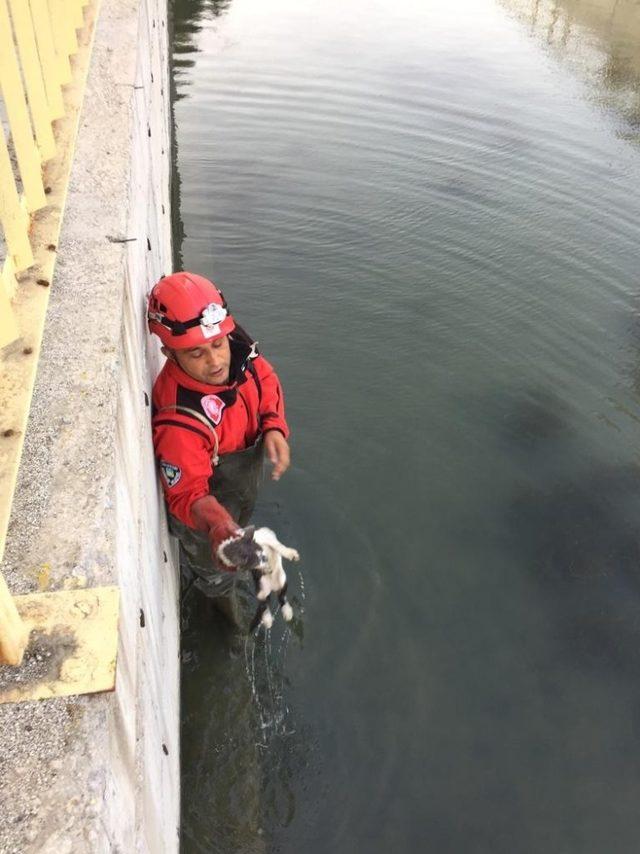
(100, 772)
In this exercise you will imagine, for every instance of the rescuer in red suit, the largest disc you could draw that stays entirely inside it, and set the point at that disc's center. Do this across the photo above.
(218, 408)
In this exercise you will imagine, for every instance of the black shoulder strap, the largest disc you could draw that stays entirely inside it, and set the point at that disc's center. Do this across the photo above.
(254, 373)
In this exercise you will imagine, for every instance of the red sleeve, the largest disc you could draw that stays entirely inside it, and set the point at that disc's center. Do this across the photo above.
(184, 455)
(272, 415)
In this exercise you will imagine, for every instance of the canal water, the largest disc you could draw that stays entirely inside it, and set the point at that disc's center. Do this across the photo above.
(427, 213)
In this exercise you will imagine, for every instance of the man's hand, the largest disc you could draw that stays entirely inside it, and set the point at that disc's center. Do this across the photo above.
(212, 519)
(277, 449)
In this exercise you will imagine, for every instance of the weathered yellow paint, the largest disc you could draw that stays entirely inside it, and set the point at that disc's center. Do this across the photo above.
(13, 631)
(59, 27)
(32, 72)
(18, 114)
(48, 57)
(17, 375)
(8, 325)
(77, 630)
(69, 8)
(76, 13)
(13, 216)
(44, 576)
(8, 278)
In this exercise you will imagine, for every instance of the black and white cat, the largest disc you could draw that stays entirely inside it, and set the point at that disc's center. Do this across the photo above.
(259, 550)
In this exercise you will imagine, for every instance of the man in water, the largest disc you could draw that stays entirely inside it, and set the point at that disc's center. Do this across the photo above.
(217, 408)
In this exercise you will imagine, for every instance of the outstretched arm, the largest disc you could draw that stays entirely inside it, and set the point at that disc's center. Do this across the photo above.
(278, 453)
(273, 424)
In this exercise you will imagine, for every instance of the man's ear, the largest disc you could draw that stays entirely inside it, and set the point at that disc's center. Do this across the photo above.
(248, 532)
(166, 351)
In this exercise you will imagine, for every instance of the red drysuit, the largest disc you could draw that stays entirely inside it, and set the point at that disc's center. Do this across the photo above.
(185, 443)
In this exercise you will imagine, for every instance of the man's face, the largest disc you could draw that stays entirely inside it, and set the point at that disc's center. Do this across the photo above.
(208, 363)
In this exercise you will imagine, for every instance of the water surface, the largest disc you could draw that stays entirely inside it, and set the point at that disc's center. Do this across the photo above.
(427, 214)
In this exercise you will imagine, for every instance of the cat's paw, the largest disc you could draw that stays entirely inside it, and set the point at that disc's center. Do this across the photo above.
(293, 555)
(267, 619)
(287, 612)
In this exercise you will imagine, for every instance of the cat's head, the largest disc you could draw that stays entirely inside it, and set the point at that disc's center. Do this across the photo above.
(243, 552)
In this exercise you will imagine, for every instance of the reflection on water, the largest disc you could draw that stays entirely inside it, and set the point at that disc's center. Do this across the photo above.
(241, 745)
(577, 525)
(581, 533)
(601, 41)
(583, 550)
(243, 749)
(187, 17)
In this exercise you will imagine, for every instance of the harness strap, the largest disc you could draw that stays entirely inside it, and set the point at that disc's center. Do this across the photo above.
(188, 411)
(254, 373)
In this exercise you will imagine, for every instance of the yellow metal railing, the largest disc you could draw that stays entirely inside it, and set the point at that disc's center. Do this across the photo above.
(37, 37)
(45, 47)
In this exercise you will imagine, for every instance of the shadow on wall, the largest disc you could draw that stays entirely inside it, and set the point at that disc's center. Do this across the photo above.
(600, 39)
(573, 526)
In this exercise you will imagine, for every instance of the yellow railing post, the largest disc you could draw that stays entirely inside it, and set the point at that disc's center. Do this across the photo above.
(48, 57)
(13, 216)
(76, 14)
(40, 113)
(8, 325)
(59, 28)
(26, 151)
(13, 631)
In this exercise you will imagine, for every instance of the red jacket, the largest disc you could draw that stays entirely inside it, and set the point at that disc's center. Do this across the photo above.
(185, 443)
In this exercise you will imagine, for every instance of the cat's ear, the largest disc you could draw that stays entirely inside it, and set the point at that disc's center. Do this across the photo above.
(248, 532)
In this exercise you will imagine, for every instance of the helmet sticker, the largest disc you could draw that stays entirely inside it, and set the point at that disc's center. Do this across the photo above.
(212, 317)
(213, 406)
(170, 473)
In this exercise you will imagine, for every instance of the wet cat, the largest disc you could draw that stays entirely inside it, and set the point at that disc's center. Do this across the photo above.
(259, 550)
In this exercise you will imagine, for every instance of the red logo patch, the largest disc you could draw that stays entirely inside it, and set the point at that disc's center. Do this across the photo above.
(213, 407)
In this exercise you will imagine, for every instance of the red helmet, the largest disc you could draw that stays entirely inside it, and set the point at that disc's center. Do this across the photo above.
(186, 310)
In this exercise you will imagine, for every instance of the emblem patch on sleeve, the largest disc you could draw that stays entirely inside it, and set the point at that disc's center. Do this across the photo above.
(170, 473)
(213, 406)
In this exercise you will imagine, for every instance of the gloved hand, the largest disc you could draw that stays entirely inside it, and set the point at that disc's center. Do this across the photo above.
(214, 520)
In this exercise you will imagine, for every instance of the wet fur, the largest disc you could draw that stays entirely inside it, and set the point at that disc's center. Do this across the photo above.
(260, 551)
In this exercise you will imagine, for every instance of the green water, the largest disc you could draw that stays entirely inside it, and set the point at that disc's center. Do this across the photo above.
(427, 213)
